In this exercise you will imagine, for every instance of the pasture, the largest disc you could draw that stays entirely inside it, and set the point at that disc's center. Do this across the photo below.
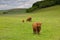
(12, 28)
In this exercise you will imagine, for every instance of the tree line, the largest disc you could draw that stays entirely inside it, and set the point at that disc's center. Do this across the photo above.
(43, 4)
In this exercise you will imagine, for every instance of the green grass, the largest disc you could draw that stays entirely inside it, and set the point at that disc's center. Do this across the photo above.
(11, 27)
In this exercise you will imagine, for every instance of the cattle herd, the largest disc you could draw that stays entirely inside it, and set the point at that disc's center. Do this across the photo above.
(36, 26)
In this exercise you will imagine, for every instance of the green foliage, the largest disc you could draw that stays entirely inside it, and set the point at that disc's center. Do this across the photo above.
(5, 12)
(43, 4)
(56, 1)
(31, 9)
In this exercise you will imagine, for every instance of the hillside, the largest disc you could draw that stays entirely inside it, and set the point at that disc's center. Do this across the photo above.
(13, 11)
(17, 10)
(49, 9)
(43, 4)
(20, 11)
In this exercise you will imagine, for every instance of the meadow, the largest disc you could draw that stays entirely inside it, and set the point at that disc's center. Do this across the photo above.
(11, 27)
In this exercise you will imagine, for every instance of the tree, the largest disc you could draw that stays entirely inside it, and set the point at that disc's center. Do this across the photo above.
(43, 4)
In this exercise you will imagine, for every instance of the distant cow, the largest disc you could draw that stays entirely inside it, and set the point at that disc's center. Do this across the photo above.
(36, 27)
(29, 19)
(22, 20)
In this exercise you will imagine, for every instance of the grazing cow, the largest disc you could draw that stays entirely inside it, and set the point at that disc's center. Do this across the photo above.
(29, 19)
(22, 20)
(36, 27)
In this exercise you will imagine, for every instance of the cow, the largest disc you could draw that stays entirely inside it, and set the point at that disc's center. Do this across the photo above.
(22, 20)
(29, 19)
(36, 27)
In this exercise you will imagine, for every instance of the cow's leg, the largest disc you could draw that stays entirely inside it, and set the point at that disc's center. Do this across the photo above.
(34, 31)
(38, 29)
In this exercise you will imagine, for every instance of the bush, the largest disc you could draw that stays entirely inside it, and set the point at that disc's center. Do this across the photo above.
(5, 12)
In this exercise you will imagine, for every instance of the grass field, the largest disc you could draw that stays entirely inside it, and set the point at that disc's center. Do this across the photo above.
(11, 27)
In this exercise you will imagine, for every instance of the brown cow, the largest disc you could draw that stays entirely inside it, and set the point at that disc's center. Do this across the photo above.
(36, 27)
(22, 20)
(29, 19)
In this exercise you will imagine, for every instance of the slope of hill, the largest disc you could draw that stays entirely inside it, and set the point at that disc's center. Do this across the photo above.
(13, 11)
(53, 8)
(17, 10)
